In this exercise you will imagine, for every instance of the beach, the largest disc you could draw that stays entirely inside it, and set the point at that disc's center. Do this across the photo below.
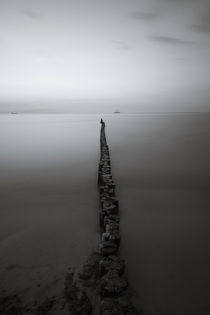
(49, 204)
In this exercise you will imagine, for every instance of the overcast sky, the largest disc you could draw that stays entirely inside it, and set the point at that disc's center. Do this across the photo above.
(138, 51)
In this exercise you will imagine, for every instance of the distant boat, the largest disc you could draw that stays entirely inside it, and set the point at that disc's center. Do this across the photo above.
(13, 113)
(117, 112)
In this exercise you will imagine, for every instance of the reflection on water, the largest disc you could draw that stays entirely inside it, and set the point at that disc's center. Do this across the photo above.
(48, 166)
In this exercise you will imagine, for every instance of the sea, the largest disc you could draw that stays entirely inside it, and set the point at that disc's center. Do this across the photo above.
(49, 203)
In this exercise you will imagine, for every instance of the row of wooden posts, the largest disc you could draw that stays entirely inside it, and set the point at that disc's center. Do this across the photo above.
(114, 294)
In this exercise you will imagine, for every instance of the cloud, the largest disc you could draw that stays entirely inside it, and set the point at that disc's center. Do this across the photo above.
(203, 24)
(170, 40)
(31, 14)
(203, 28)
(140, 15)
(199, 12)
(121, 45)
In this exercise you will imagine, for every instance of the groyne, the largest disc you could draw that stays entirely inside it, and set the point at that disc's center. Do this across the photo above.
(114, 294)
(99, 286)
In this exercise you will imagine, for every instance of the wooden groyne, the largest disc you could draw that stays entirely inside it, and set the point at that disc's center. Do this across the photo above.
(114, 297)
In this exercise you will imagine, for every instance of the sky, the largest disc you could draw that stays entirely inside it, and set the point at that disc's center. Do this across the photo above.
(139, 54)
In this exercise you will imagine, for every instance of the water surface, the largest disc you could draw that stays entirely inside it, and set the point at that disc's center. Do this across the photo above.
(49, 202)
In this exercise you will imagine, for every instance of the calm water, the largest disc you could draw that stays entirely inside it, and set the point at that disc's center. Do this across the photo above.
(48, 213)
(48, 200)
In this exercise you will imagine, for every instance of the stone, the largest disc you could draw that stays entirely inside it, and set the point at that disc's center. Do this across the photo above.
(77, 299)
(105, 236)
(106, 176)
(112, 285)
(109, 205)
(111, 226)
(106, 189)
(110, 202)
(105, 170)
(126, 306)
(115, 237)
(108, 247)
(112, 217)
(104, 213)
(107, 180)
(118, 265)
(110, 306)
(90, 269)
(112, 236)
